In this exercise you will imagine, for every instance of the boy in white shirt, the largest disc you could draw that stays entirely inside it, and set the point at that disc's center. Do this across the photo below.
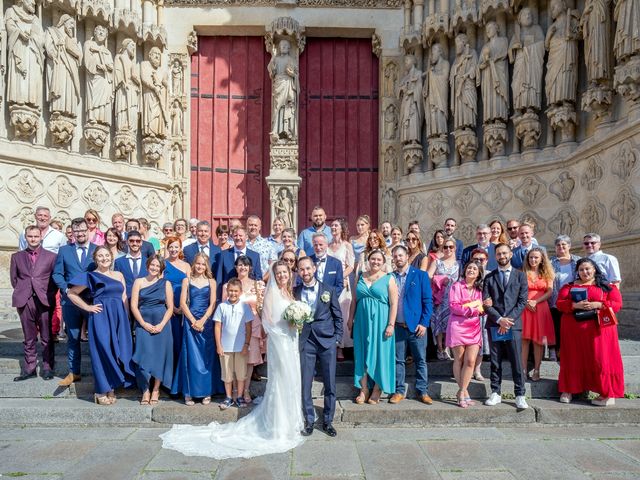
(232, 332)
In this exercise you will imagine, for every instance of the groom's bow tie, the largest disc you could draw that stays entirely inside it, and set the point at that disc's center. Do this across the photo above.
(308, 288)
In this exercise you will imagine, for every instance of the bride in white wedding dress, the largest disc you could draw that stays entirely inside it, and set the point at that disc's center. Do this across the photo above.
(274, 425)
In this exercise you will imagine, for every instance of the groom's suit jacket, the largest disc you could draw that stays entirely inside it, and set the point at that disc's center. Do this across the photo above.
(326, 327)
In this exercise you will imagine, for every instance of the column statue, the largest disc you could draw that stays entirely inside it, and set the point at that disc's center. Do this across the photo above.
(464, 98)
(127, 98)
(283, 70)
(411, 114)
(177, 77)
(436, 97)
(626, 47)
(155, 116)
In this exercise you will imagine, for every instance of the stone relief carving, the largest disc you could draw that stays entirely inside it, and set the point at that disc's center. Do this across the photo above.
(466, 200)
(284, 206)
(127, 99)
(534, 219)
(414, 208)
(177, 161)
(95, 195)
(592, 175)
(25, 187)
(530, 191)
(283, 70)
(436, 97)
(467, 231)
(155, 118)
(564, 222)
(21, 219)
(625, 162)
(593, 215)
(126, 200)
(563, 186)
(497, 196)
(376, 45)
(25, 66)
(390, 163)
(464, 98)
(284, 157)
(177, 119)
(390, 78)
(153, 204)
(63, 217)
(63, 80)
(192, 39)
(389, 201)
(3, 221)
(62, 192)
(175, 209)
(177, 77)
(625, 208)
(302, 3)
(438, 204)
(390, 122)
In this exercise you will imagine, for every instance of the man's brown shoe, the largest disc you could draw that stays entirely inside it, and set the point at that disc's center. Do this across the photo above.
(426, 399)
(396, 398)
(69, 379)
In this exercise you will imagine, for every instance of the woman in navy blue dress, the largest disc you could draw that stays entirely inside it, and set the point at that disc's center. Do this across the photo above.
(110, 344)
(198, 374)
(176, 271)
(152, 308)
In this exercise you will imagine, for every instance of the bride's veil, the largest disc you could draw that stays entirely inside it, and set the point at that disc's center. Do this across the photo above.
(273, 306)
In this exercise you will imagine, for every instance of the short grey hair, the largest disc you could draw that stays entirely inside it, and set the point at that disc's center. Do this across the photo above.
(562, 238)
(318, 235)
(482, 226)
(41, 208)
(204, 223)
(592, 236)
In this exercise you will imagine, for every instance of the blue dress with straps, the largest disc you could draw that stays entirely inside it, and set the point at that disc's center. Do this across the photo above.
(175, 276)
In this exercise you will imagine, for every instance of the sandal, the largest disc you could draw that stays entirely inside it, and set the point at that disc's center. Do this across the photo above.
(462, 401)
(145, 398)
(206, 400)
(188, 401)
(155, 396)
(362, 396)
(535, 376)
(101, 399)
(470, 403)
(112, 397)
(375, 400)
(247, 398)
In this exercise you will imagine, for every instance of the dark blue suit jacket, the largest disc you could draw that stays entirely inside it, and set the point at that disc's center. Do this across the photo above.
(225, 268)
(68, 266)
(491, 251)
(417, 304)
(122, 265)
(332, 273)
(507, 302)
(147, 249)
(192, 249)
(519, 254)
(326, 328)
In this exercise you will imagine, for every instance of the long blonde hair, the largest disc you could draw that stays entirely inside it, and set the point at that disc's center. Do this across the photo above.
(207, 271)
(545, 270)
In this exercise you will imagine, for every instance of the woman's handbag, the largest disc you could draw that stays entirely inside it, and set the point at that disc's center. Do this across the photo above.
(607, 317)
(585, 315)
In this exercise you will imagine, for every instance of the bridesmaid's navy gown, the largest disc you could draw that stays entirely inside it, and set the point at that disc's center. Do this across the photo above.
(154, 352)
(198, 374)
(110, 344)
(175, 276)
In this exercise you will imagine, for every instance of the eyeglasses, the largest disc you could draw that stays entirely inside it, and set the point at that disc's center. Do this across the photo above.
(590, 243)
(132, 240)
(289, 260)
(480, 259)
(91, 220)
(80, 231)
(512, 228)
(449, 247)
(484, 234)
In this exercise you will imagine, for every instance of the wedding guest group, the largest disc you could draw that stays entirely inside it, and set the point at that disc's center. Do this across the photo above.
(183, 314)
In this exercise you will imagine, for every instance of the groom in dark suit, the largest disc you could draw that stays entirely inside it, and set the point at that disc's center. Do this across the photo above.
(318, 341)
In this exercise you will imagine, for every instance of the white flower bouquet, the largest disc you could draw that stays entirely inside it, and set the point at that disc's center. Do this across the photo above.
(297, 314)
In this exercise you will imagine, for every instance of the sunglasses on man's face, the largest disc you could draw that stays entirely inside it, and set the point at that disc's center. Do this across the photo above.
(132, 240)
(589, 243)
(512, 228)
(449, 247)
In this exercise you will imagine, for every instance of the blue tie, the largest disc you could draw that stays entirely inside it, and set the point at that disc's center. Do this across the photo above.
(136, 269)
(83, 255)
(310, 289)
(503, 273)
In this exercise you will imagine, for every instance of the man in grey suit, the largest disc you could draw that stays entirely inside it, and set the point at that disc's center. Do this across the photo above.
(507, 289)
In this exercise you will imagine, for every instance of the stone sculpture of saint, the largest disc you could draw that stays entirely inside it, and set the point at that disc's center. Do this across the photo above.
(25, 54)
(155, 82)
(596, 29)
(411, 108)
(526, 52)
(127, 85)
(627, 37)
(464, 96)
(283, 207)
(65, 57)
(176, 119)
(283, 70)
(561, 81)
(99, 64)
(493, 76)
(390, 122)
(436, 92)
(177, 77)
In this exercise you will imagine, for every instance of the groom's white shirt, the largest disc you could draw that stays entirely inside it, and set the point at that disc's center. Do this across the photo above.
(310, 297)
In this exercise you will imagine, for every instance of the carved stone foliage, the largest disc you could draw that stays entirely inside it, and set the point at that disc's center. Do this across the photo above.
(563, 186)
(592, 175)
(284, 157)
(466, 200)
(62, 192)
(153, 204)
(126, 200)
(593, 215)
(625, 208)
(625, 162)
(564, 222)
(530, 191)
(95, 195)
(497, 195)
(25, 187)
(438, 204)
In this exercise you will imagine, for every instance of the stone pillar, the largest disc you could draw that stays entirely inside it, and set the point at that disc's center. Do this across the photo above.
(285, 42)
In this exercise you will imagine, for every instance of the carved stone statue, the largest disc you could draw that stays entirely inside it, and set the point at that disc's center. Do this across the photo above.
(25, 66)
(627, 37)
(411, 109)
(390, 78)
(390, 122)
(596, 28)
(177, 127)
(99, 64)
(177, 160)
(127, 98)
(526, 52)
(493, 76)
(175, 205)
(155, 82)
(283, 70)
(63, 80)
(177, 78)
(436, 93)
(283, 206)
(464, 98)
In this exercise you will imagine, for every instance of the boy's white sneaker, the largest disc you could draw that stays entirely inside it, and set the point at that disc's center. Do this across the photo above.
(493, 400)
(521, 403)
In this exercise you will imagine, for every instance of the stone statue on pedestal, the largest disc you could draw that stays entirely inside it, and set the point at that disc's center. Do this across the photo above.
(127, 98)
(436, 97)
(155, 82)
(464, 98)
(283, 69)
(411, 109)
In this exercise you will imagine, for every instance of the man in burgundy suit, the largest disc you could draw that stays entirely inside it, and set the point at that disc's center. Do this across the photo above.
(34, 295)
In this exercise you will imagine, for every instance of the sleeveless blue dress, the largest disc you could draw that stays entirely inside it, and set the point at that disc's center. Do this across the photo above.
(110, 344)
(198, 374)
(154, 352)
(175, 276)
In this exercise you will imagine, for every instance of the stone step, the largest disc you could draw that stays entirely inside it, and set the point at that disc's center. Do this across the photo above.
(128, 412)
(36, 388)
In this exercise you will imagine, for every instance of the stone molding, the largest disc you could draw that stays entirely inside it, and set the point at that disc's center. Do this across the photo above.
(300, 3)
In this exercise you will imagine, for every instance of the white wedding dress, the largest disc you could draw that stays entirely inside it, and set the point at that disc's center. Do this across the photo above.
(274, 425)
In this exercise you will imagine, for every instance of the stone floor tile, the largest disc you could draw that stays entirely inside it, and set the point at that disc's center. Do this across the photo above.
(310, 459)
(468, 475)
(383, 460)
(266, 467)
(629, 447)
(595, 457)
(57, 456)
(43, 434)
(174, 476)
(570, 432)
(447, 455)
(421, 433)
(167, 460)
(529, 459)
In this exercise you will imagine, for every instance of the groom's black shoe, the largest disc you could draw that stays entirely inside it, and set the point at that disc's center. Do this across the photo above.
(329, 430)
(307, 430)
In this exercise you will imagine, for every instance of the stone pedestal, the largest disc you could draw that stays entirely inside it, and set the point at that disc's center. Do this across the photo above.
(411, 156)
(24, 119)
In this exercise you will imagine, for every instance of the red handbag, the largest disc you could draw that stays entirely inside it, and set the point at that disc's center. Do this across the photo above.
(607, 317)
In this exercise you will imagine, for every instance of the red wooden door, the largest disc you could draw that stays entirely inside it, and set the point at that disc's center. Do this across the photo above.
(339, 129)
(230, 117)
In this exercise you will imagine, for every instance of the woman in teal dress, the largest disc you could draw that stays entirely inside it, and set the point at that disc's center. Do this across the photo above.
(374, 350)
(152, 307)
(175, 272)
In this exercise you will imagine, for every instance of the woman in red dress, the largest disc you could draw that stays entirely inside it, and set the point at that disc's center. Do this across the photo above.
(537, 322)
(591, 359)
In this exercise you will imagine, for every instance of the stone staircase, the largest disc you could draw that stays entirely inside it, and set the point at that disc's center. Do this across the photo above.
(41, 402)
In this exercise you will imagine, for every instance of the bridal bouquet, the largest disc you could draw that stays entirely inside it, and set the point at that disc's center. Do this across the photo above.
(297, 314)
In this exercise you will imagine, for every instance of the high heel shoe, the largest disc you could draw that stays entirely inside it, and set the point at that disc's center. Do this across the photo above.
(101, 399)
(374, 399)
(145, 398)
(155, 396)
(535, 376)
(112, 397)
(362, 396)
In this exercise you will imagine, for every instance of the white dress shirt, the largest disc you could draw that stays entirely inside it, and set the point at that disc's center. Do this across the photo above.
(52, 240)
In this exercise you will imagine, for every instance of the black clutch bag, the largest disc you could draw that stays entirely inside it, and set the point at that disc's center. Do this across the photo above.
(585, 315)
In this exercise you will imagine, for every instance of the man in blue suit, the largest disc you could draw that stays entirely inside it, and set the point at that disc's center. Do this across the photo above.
(202, 244)
(147, 248)
(415, 305)
(318, 342)
(133, 265)
(328, 269)
(73, 260)
(525, 234)
(450, 225)
(483, 235)
(225, 260)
